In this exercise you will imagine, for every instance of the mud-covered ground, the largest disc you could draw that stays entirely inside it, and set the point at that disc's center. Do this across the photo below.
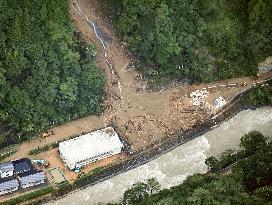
(173, 167)
(143, 118)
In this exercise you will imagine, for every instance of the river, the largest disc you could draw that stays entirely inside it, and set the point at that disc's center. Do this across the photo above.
(173, 167)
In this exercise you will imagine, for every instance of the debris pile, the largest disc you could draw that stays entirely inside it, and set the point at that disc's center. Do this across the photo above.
(220, 102)
(199, 97)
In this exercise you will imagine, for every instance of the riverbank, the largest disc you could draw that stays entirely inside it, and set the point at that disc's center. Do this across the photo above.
(144, 156)
(173, 167)
(141, 157)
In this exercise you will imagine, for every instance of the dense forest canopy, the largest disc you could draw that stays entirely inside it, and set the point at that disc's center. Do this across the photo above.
(47, 75)
(203, 39)
(249, 182)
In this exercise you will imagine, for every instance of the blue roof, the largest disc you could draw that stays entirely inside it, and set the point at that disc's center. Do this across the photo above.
(31, 177)
(5, 167)
(22, 165)
(8, 183)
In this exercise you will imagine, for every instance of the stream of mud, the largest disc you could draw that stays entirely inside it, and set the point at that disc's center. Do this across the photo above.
(173, 167)
(98, 35)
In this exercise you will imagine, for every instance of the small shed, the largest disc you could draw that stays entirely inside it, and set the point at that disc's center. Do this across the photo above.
(8, 185)
(6, 169)
(31, 178)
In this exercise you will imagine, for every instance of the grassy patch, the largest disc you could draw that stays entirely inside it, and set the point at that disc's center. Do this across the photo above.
(27, 197)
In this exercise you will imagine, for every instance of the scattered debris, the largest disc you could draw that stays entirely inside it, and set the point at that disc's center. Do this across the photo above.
(47, 165)
(256, 76)
(48, 134)
(199, 97)
(220, 102)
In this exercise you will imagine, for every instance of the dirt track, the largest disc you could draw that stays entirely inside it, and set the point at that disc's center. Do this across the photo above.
(142, 117)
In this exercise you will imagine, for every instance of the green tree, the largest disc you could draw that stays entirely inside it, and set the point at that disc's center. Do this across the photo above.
(136, 193)
(42, 64)
(253, 142)
(204, 40)
(249, 182)
(153, 185)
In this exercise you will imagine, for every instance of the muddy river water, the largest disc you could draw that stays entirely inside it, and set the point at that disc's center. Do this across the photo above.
(173, 167)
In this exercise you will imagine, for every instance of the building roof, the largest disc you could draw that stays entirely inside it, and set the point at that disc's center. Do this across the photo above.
(5, 167)
(8, 183)
(31, 176)
(89, 145)
(22, 165)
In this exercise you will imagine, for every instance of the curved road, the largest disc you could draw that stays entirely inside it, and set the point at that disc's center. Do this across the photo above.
(173, 167)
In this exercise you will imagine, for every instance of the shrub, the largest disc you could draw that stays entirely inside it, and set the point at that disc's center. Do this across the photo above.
(40, 149)
(261, 96)
(89, 178)
(7, 154)
(30, 196)
(63, 188)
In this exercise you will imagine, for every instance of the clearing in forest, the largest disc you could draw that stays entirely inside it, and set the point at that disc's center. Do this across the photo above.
(141, 117)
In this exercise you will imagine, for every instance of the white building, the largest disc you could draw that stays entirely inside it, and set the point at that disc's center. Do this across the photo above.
(90, 147)
(6, 169)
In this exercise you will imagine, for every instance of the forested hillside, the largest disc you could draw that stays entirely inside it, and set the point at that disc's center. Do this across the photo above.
(47, 75)
(250, 181)
(203, 39)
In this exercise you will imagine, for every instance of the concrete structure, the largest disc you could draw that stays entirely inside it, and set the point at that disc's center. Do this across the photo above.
(6, 169)
(90, 147)
(57, 175)
(32, 178)
(8, 185)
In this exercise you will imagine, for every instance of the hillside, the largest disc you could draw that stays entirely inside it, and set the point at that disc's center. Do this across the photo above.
(202, 40)
(47, 74)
